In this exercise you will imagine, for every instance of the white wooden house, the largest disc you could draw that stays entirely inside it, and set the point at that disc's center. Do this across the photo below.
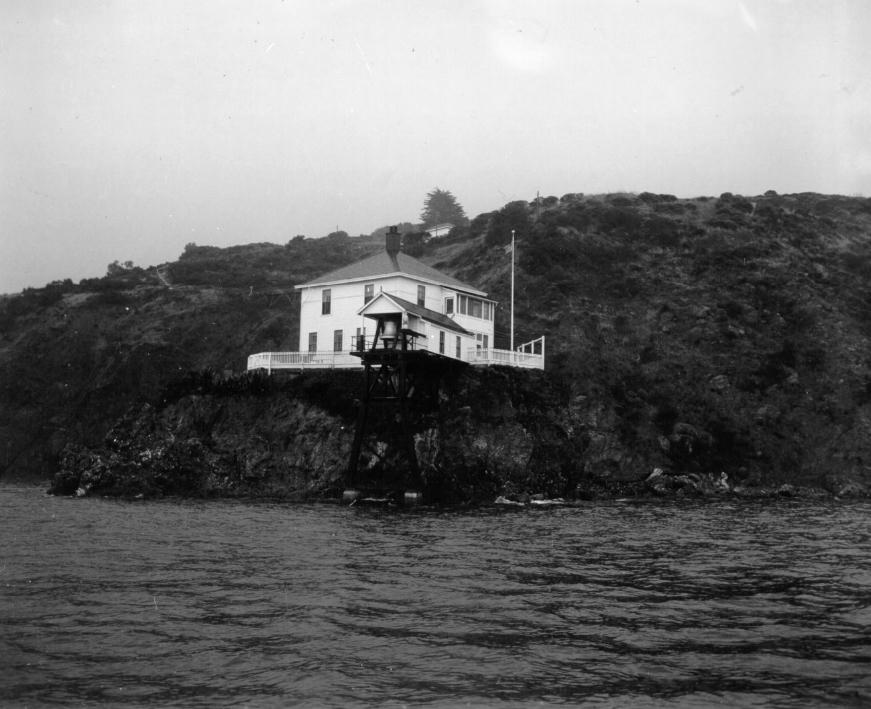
(338, 310)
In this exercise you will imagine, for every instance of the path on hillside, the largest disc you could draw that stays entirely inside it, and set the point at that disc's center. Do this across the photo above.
(162, 276)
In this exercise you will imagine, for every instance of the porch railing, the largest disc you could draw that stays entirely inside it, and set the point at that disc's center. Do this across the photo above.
(529, 355)
(505, 357)
(303, 360)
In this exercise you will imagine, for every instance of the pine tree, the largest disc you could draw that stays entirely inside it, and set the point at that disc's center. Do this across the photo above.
(441, 207)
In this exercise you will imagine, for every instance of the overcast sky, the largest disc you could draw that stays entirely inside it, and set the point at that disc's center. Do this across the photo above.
(129, 128)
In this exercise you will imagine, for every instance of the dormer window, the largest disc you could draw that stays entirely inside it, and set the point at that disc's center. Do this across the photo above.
(449, 306)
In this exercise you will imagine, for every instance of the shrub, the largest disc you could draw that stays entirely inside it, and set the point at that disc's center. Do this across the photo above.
(514, 216)
(732, 308)
(413, 243)
(620, 220)
(670, 208)
(456, 234)
(742, 204)
(825, 206)
(813, 358)
(858, 263)
(735, 209)
(723, 223)
(191, 250)
(769, 215)
(111, 297)
(560, 257)
(661, 231)
(576, 217)
(480, 224)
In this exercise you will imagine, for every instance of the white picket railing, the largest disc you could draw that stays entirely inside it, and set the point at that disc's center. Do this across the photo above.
(508, 358)
(529, 356)
(303, 360)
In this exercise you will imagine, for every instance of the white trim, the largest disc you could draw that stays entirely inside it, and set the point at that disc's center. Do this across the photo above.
(406, 314)
(381, 294)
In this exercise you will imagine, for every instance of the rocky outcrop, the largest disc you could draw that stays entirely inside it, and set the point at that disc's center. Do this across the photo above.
(292, 439)
(214, 444)
(491, 433)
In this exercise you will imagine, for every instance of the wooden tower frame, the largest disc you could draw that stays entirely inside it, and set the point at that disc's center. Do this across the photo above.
(397, 376)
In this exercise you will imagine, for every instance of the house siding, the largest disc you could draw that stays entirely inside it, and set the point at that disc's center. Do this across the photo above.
(348, 298)
(345, 300)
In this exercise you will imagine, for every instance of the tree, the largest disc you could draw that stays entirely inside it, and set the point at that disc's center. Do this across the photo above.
(118, 269)
(441, 207)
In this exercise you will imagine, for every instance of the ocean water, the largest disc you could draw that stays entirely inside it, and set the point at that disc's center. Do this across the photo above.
(203, 604)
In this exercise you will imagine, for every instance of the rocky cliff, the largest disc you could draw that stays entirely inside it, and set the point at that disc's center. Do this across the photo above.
(488, 433)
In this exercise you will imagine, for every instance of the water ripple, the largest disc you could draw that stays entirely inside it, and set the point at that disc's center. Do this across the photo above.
(198, 604)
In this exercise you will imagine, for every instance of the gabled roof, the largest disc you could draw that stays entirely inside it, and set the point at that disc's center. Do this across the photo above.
(418, 310)
(384, 264)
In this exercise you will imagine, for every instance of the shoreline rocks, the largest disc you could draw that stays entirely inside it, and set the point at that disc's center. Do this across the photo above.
(492, 434)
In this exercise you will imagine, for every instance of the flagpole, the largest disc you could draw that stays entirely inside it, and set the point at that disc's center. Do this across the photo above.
(512, 291)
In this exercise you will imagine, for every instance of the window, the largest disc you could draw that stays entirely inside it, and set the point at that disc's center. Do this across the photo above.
(459, 347)
(313, 342)
(326, 296)
(482, 341)
(441, 341)
(368, 292)
(475, 307)
(361, 338)
(337, 341)
(449, 306)
(421, 296)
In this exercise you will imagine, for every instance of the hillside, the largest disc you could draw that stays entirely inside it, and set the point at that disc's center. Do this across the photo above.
(714, 334)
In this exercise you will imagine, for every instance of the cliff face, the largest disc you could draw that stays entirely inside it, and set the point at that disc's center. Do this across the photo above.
(489, 432)
(292, 438)
(698, 337)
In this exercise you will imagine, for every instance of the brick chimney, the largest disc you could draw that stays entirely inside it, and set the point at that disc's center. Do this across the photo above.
(394, 241)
